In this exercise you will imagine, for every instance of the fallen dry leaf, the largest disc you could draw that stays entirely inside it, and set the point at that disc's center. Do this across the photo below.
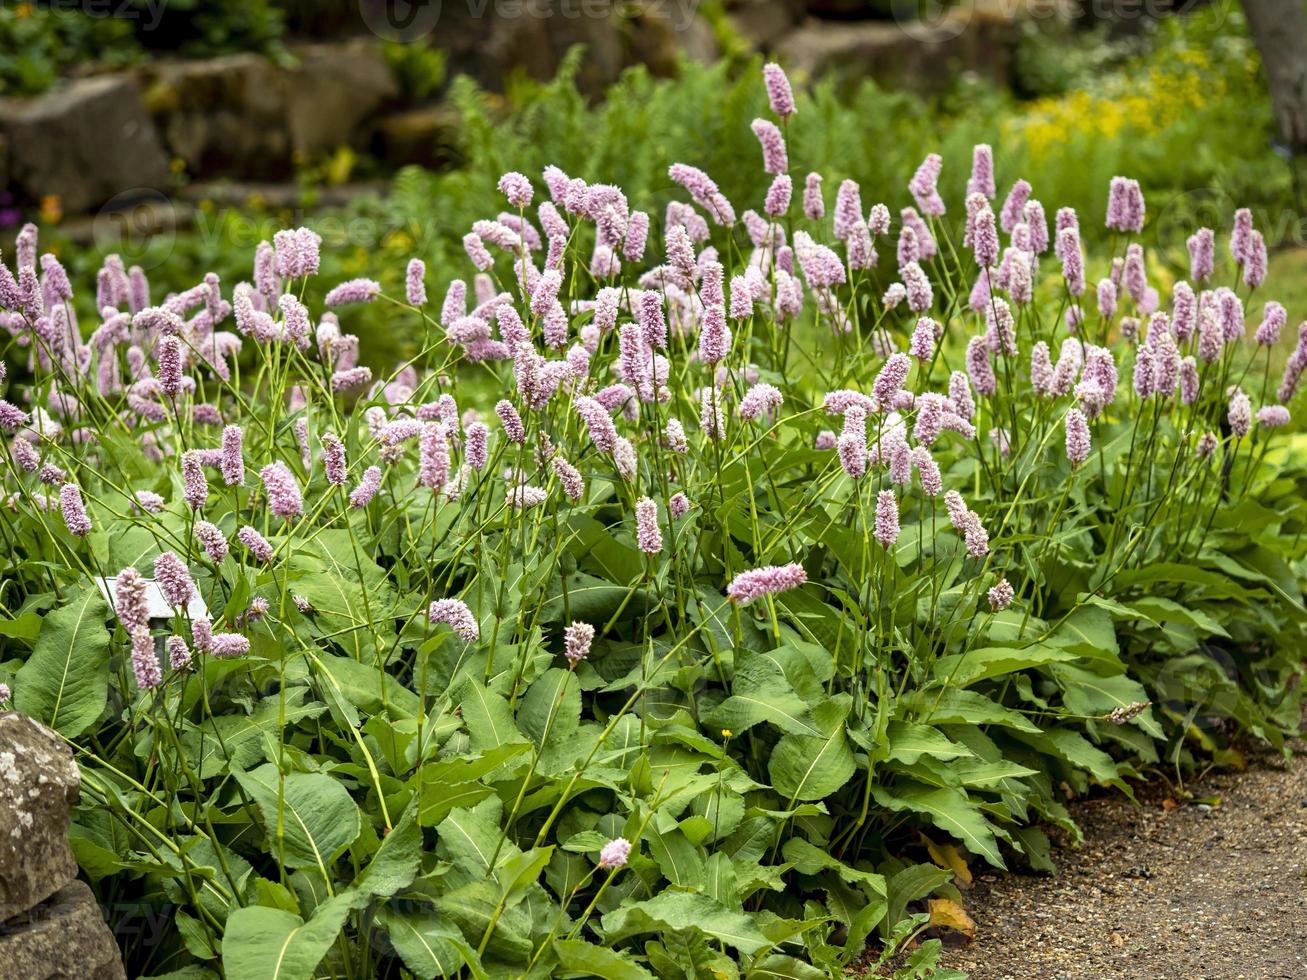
(948, 914)
(947, 856)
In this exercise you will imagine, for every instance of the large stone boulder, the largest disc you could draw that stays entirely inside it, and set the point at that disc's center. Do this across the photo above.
(63, 938)
(222, 115)
(85, 142)
(333, 93)
(247, 117)
(38, 785)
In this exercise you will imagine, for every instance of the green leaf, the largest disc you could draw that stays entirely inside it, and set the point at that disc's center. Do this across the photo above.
(805, 768)
(809, 859)
(762, 692)
(319, 820)
(457, 782)
(397, 861)
(25, 627)
(685, 910)
(908, 742)
(470, 837)
(907, 886)
(273, 944)
(1078, 751)
(366, 687)
(426, 941)
(1086, 693)
(958, 706)
(488, 716)
(581, 959)
(786, 967)
(473, 908)
(964, 669)
(1160, 610)
(65, 682)
(1089, 632)
(551, 707)
(948, 809)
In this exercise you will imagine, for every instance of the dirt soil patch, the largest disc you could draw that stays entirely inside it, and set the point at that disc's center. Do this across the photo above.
(1212, 889)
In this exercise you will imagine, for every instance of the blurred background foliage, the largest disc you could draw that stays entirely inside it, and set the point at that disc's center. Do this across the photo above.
(1179, 102)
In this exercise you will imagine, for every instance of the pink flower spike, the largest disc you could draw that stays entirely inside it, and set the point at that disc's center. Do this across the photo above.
(455, 614)
(614, 854)
(779, 93)
(767, 580)
(648, 536)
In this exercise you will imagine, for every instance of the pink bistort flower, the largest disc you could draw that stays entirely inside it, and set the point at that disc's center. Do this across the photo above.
(767, 580)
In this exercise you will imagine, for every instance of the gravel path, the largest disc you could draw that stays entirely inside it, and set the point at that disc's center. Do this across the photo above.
(1159, 890)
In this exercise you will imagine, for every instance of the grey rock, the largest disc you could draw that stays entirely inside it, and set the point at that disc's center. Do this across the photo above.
(247, 117)
(64, 938)
(334, 93)
(762, 23)
(222, 116)
(38, 785)
(85, 143)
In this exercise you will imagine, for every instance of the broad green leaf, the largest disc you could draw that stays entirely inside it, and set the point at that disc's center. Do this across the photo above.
(577, 958)
(1078, 751)
(461, 781)
(366, 687)
(426, 941)
(469, 838)
(958, 706)
(1086, 693)
(397, 861)
(806, 768)
(488, 716)
(964, 669)
(908, 742)
(273, 944)
(685, 910)
(762, 692)
(909, 885)
(809, 859)
(65, 682)
(1161, 610)
(551, 708)
(785, 967)
(948, 809)
(318, 818)
(1088, 631)
(474, 907)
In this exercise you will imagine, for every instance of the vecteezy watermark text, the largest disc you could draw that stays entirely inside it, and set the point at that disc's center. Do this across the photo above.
(148, 12)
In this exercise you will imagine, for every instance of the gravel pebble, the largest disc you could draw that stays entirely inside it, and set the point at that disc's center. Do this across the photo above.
(1212, 889)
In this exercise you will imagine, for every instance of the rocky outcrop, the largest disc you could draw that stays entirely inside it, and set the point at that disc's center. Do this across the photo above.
(61, 939)
(333, 92)
(50, 925)
(84, 143)
(244, 116)
(38, 786)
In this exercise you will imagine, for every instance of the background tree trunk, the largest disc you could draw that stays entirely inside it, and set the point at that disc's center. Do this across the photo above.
(1279, 28)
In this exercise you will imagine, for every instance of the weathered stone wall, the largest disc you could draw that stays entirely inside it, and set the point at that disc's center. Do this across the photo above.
(50, 925)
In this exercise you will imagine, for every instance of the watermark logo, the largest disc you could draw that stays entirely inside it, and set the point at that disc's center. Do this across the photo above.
(1184, 213)
(148, 12)
(140, 225)
(931, 21)
(400, 20)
